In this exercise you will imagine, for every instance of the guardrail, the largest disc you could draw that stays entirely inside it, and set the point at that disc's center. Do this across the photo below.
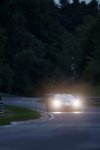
(93, 97)
(1, 108)
(92, 100)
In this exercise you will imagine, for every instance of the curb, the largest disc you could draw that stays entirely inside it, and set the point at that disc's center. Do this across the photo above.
(44, 117)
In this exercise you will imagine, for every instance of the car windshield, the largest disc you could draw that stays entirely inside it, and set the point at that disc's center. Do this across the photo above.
(64, 97)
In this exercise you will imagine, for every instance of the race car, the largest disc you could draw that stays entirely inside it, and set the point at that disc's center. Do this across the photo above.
(62, 102)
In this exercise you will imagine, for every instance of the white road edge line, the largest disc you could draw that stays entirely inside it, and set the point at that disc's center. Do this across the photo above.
(51, 116)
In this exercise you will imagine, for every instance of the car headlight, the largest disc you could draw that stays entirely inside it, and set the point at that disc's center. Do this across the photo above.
(77, 103)
(56, 103)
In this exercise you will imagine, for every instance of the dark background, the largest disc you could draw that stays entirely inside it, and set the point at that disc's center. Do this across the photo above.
(45, 47)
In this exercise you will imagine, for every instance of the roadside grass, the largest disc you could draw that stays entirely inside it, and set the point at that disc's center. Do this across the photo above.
(13, 113)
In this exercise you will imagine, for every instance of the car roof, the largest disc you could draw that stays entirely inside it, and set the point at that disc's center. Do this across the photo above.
(60, 95)
(63, 95)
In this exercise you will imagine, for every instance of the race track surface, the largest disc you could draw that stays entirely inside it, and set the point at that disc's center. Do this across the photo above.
(66, 131)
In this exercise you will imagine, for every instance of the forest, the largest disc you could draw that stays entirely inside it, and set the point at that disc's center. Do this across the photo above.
(45, 46)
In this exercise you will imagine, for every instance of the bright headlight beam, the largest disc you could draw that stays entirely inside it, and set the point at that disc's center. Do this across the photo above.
(56, 103)
(77, 103)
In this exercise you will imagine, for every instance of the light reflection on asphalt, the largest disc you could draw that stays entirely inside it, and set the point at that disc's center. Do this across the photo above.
(67, 112)
(84, 112)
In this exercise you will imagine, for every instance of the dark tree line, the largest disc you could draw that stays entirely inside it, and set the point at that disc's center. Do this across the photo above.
(42, 45)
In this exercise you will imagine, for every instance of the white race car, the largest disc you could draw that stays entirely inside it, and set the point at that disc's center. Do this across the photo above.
(62, 102)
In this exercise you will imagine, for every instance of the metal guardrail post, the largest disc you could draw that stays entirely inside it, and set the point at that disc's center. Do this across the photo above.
(1, 108)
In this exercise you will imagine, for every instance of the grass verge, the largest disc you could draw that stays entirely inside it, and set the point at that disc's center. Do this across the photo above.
(13, 113)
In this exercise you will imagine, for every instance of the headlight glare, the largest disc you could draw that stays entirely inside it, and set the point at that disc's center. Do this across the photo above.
(77, 103)
(56, 103)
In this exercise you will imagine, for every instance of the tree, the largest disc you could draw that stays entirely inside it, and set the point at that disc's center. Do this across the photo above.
(92, 8)
(41, 42)
(6, 74)
(92, 71)
(64, 3)
(84, 44)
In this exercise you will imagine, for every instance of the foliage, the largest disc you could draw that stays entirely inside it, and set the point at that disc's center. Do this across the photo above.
(45, 45)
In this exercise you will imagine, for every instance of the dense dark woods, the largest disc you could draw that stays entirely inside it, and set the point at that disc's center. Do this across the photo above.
(43, 45)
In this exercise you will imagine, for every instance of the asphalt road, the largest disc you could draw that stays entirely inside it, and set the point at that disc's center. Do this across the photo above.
(67, 131)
